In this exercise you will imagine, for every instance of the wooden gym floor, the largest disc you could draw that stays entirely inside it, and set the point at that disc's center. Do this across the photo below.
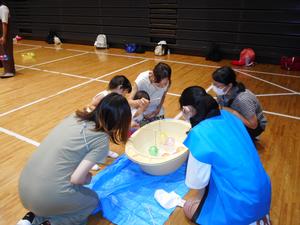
(58, 80)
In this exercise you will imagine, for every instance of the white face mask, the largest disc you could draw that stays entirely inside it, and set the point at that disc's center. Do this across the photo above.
(219, 91)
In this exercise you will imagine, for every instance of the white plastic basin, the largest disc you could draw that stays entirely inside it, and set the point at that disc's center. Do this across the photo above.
(158, 133)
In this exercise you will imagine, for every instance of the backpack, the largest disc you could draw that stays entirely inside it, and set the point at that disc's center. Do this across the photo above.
(247, 57)
(140, 49)
(161, 48)
(214, 53)
(290, 63)
(101, 41)
(130, 47)
(54, 38)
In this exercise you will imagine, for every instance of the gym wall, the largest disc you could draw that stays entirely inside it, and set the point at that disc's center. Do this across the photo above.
(271, 28)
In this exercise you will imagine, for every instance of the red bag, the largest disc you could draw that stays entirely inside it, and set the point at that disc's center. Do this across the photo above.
(290, 63)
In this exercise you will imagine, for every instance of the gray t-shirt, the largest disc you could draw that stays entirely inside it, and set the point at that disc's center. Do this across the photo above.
(55, 160)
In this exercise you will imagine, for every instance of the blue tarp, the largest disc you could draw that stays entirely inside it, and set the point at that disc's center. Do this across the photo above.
(126, 193)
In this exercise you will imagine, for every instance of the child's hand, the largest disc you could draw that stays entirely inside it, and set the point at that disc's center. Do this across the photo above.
(188, 112)
(152, 114)
(143, 103)
(134, 125)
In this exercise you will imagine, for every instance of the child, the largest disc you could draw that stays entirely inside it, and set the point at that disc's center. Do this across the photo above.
(138, 112)
(58, 193)
(156, 83)
(118, 84)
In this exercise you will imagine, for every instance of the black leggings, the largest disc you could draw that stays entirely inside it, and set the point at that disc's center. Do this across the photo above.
(255, 132)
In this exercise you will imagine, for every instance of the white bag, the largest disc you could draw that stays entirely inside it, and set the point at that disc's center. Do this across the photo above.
(161, 48)
(101, 41)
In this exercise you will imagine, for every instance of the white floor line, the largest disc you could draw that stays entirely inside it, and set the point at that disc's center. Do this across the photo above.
(56, 72)
(27, 45)
(270, 73)
(124, 68)
(69, 75)
(282, 115)
(257, 78)
(56, 60)
(18, 136)
(24, 50)
(68, 89)
(55, 47)
(77, 50)
(276, 94)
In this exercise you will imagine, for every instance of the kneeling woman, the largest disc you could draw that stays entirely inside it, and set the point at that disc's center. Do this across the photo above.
(51, 185)
(223, 164)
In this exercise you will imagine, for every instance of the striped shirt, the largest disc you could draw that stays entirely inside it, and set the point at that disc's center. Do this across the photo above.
(246, 104)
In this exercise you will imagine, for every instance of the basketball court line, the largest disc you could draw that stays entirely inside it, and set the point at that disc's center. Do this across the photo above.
(282, 115)
(139, 57)
(276, 94)
(18, 136)
(29, 49)
(257, 78)
(51, 61)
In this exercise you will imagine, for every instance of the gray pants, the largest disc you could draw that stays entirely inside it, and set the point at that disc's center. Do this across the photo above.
(61, 209)
(7, 49)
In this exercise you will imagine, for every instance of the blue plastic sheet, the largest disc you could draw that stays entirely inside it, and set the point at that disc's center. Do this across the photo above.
(126, 193)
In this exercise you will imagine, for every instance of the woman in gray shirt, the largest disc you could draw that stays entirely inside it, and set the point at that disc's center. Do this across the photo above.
(234, 97)
(51, 185)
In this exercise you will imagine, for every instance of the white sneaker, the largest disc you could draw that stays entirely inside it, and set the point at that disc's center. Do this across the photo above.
(7, 75)
(113, 155)
(96, 167)
(23, 222)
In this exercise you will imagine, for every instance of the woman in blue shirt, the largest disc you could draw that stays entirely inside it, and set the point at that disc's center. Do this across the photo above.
(223, 164)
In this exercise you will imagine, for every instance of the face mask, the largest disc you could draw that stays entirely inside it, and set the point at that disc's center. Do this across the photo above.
(219, 91)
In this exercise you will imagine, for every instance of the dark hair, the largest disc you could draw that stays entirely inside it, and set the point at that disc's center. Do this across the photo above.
(226, 75)
(141, 94)
(112, 116)
(162, 71)
(120, 80)
(205, 105)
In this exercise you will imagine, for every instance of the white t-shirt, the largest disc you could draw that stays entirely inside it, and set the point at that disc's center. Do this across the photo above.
(103, 93)
(4, 13)
(144, 84)
(197, 173)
